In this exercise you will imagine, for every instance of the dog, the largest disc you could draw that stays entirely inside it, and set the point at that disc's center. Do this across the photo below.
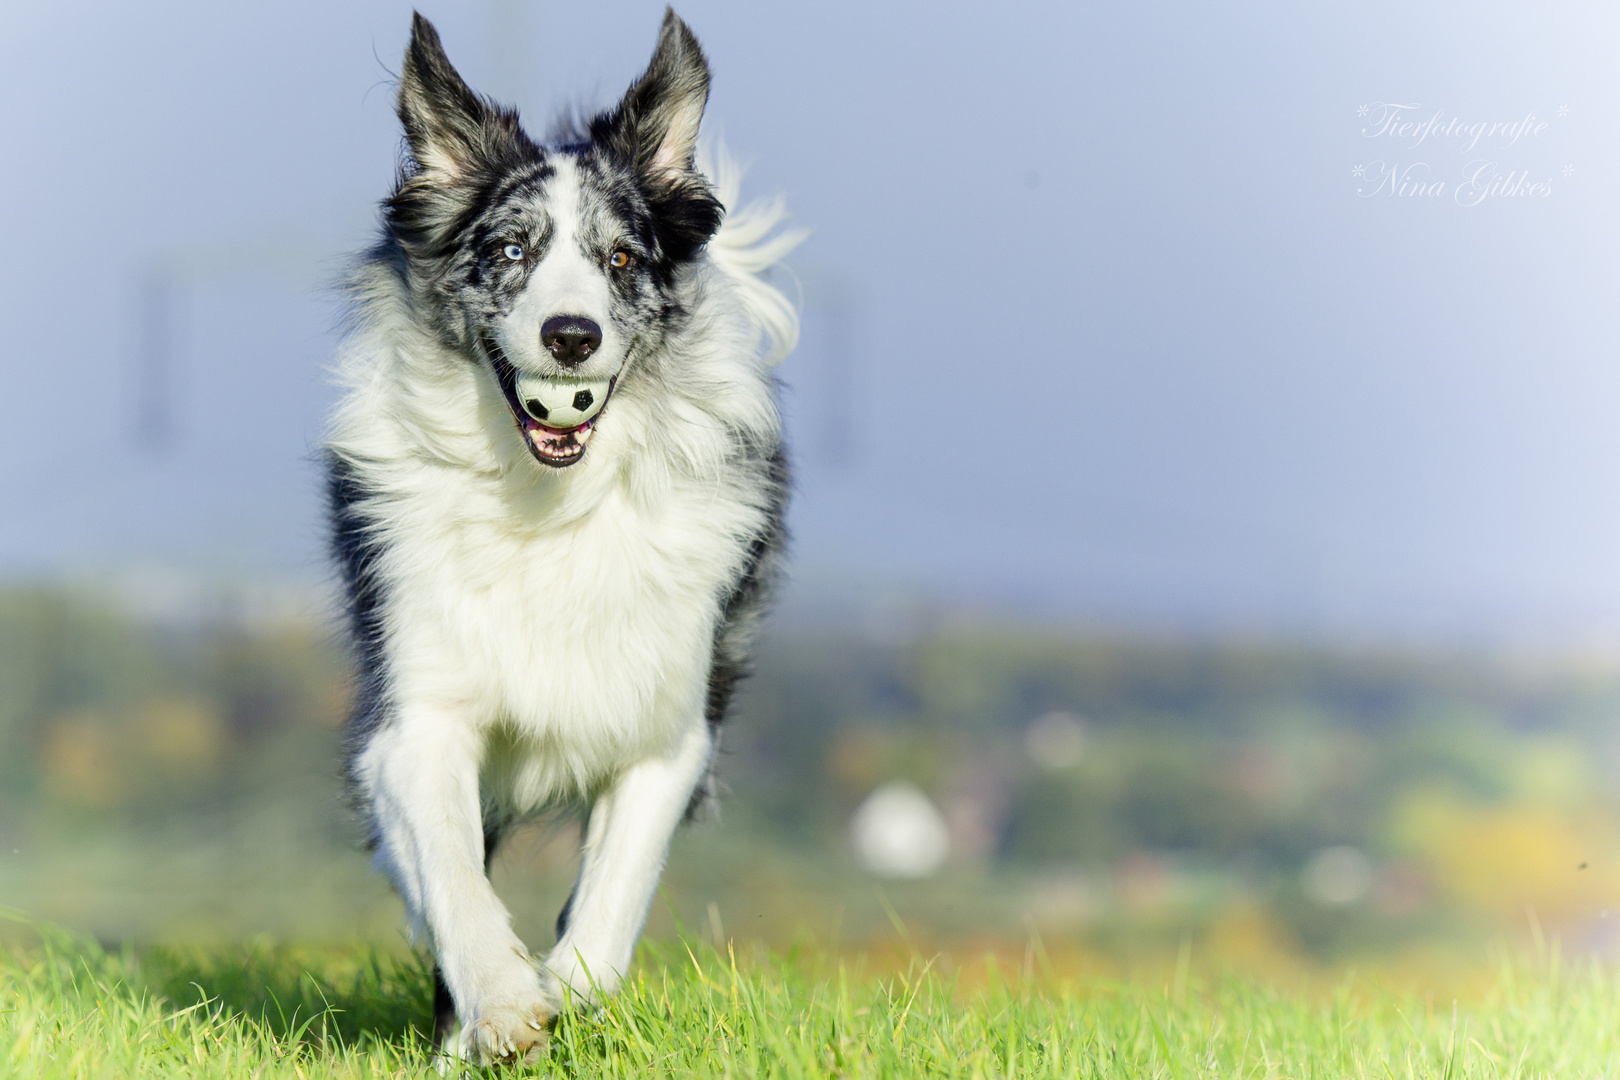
(557, 480)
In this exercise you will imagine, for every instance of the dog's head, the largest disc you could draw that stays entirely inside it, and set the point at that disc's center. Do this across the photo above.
(554, 264)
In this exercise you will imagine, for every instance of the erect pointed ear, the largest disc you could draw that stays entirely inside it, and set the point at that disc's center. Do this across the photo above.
(451, 130)
(657, 122)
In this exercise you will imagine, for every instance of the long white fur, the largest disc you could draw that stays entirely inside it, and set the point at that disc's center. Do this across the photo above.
(547, 633)
(749, 243)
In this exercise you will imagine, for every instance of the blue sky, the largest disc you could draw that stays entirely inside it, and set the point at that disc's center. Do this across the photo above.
(1097, 323)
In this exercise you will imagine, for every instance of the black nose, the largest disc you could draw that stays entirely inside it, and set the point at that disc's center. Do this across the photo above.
(571, 339)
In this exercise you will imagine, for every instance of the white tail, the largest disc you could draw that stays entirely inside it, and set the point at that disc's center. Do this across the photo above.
(751, 240)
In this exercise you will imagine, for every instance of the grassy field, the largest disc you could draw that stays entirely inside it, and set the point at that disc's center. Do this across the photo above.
(68, 1008)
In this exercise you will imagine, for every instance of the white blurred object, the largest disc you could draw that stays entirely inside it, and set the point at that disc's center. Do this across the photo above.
(1337, 876)
(899, 833)
(1056, 740)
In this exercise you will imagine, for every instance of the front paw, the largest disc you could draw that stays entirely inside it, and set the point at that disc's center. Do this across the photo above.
(509, 1032)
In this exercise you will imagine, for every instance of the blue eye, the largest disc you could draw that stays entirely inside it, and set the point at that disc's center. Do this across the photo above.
(513, 252)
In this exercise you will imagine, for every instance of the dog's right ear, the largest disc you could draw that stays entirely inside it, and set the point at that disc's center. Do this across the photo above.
(451, 130)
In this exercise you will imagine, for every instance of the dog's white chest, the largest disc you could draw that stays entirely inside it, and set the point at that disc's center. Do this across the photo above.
(590, 642)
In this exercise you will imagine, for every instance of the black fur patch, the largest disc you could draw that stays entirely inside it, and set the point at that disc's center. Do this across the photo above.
(749, 596)
(746, 604)
(356, 550)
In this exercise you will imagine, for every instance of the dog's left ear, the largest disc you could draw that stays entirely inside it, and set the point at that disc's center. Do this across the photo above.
(657, 122)
(655, 128)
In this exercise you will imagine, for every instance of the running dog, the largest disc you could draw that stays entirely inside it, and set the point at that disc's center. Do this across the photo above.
(556, 481)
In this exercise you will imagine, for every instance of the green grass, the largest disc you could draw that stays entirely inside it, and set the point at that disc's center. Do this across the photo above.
(70, 1009)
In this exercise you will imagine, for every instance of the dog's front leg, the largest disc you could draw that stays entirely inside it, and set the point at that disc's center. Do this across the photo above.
(420, 771)
(625, 846)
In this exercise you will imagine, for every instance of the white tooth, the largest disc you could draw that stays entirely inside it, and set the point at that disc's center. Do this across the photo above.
(583, 435)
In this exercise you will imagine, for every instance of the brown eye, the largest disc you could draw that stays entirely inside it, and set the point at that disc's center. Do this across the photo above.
(619, 260)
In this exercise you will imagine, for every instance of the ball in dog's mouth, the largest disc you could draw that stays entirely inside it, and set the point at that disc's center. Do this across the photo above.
(557, 414)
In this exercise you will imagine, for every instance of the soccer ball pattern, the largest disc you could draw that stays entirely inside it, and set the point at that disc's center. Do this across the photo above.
(562, 404)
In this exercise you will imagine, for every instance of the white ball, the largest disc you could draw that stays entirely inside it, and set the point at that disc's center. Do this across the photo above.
(899, 834)
(1337, 876)
(562, 403)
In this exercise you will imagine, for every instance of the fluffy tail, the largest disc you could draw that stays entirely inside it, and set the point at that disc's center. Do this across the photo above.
(751, 240)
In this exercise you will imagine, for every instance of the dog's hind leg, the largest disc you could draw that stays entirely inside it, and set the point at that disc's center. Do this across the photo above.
(444, 1013)
(626, 842)
(566, 912)
(420, 771)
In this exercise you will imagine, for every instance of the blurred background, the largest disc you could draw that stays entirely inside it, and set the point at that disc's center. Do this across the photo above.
(1207, 536)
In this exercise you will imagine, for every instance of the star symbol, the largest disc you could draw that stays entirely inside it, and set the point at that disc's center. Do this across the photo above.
(1358, 170)
(1362, 111)
(1563, 110)
(1569, 170)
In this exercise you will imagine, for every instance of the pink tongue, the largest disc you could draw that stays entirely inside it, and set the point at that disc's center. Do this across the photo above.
(562, 440)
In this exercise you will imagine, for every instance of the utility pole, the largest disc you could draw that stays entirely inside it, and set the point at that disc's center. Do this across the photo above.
(829, 319)
(161, 291)
(155, 363)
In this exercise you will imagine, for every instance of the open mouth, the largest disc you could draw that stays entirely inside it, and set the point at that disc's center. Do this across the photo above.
(556, 434)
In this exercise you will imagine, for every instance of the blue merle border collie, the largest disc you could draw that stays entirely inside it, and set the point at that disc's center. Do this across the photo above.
(551, 613)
